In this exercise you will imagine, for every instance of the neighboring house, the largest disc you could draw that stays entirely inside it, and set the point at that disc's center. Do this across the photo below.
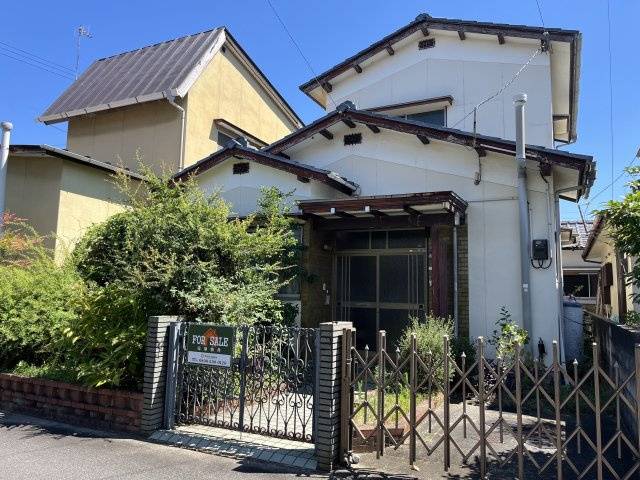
(167, 105)
(615, 297)
(60, 193)
(405, 208)
(579, 277)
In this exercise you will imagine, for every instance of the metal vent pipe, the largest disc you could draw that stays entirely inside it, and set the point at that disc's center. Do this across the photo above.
(4, 158)
(523, 208)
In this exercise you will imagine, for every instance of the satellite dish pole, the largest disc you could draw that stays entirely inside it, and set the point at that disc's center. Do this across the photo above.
(82, 31)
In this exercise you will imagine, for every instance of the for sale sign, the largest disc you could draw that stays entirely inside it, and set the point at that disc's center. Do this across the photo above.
(209, 344)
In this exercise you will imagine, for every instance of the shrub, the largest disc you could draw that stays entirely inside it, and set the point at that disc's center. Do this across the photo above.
(430, 334)
(508, 335)
(173, 252)
(38, 296)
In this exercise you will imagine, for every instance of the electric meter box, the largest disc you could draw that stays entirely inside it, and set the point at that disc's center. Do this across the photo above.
(540, 249)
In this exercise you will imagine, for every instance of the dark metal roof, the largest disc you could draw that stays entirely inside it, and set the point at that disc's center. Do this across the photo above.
(281, 163)
(164, 70)
(144, 74)
(48, 150)
(583, 163)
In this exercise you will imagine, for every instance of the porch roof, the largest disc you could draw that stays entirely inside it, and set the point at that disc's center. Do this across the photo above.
(385, 205)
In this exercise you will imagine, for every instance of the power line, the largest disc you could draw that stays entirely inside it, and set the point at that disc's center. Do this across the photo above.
(42, 59)
(540, 13)
(501, 90)
(315, 75)
(613, 181)
(41, 67)
(610, 96)
(33, 60)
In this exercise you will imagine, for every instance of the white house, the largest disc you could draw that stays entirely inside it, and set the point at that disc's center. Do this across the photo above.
(408, 199)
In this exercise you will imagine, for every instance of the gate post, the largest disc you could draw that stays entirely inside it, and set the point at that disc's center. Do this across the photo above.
(155, 367)
(328, 406)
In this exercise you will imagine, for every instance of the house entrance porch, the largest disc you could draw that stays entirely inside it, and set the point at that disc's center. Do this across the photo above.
(381, 261)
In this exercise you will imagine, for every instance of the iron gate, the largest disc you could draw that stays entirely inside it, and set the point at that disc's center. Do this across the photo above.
(269, 388)
(514, 415)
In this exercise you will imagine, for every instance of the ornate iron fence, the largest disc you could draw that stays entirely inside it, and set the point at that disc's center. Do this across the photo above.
(512, 414)
(269, 388)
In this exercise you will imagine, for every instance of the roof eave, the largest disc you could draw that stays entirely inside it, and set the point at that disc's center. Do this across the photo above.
(425, 21)
(49, 150)
(330, 178)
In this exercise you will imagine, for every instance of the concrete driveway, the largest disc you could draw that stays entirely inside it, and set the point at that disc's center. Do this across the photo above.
(33, 449)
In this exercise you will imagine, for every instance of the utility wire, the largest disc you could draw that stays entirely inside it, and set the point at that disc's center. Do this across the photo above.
(30, 60)
(284, 26)
(613, 181)
(36, 65)
(502, 89)
(42, 59)
(610, 95)
(540, 13)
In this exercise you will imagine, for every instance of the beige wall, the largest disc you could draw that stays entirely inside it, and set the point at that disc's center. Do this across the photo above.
(604, 251)
(227, 90)
(87, 196)
(33, 189)
(152, 129)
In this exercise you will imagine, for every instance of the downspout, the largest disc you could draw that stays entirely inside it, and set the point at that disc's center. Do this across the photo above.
(172, 102)
(558, 249)
(523, 207)
(4, 158)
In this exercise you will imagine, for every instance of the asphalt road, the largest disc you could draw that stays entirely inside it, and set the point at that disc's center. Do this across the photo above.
(34, 449)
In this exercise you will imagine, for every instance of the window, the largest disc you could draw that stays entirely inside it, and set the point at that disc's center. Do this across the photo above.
(380, 239)
(435, 117)
(581, 285)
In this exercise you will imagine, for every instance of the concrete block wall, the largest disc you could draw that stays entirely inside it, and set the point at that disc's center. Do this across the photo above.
(155, 372)
(327, 438)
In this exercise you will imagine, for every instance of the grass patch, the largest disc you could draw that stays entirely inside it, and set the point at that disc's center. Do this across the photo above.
(403, 400)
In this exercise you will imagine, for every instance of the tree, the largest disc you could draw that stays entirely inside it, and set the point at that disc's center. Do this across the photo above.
(174, 251)
(623, 225)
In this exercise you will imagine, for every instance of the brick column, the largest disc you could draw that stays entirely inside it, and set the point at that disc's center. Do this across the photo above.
(327, 431)
(155, 372)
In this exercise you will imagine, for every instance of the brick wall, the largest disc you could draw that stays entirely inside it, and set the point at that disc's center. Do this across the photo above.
(98, 408)
(318, 264)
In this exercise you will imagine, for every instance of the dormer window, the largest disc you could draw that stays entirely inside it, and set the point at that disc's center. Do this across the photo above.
(228, 131)
(435, 117)
(429, 110)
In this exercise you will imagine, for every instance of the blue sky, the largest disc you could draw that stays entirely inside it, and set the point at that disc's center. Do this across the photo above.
(327, 32)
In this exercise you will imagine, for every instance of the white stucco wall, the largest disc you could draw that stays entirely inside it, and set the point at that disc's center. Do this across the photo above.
(243, 191)
(470, 71)
(394, 163)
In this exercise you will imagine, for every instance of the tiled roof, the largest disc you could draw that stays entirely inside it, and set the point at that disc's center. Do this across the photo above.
(579, 231)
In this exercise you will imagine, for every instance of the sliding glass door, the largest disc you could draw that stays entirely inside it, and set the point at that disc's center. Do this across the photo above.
(380, 281)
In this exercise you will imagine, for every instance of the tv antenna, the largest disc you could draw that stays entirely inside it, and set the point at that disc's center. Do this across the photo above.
(82, 31)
